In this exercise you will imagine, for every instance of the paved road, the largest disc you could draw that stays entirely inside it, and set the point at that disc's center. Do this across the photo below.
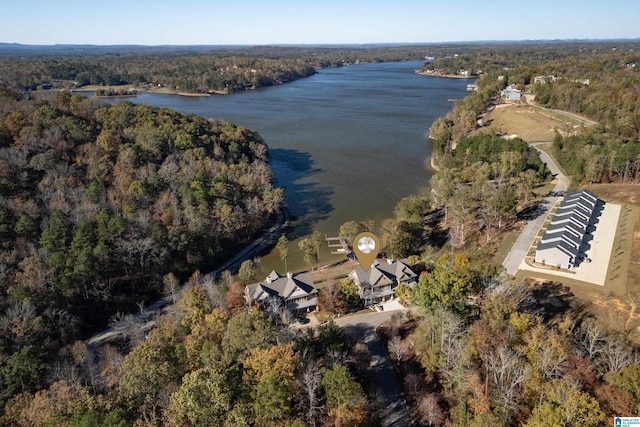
(392, 411)
(529, 232)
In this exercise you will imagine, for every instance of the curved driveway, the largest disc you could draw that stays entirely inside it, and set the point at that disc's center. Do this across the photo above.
(530, 230)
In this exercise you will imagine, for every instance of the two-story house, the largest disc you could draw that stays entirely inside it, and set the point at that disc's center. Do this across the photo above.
(295, 292)
(380, 281)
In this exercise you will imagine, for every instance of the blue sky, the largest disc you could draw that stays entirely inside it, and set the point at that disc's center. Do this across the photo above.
(256, 22)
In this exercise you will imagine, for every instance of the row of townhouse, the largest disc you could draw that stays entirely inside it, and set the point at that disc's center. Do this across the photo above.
(565, 239)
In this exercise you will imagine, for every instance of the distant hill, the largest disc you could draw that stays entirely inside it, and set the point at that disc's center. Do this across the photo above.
(87, 48)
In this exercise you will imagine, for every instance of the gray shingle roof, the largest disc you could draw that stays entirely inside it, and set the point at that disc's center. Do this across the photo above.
(286, 287)
(384, 273)
(568, 226)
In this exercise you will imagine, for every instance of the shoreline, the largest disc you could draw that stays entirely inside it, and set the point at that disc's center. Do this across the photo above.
(190, 94)
(115, 96)
(446, 76)
(433, 165)
(162, 91)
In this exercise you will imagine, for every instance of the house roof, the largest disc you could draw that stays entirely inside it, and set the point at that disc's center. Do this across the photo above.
(568, 226)
(373, 277)
(578, 211)
(384, 273)
(583, 198)
(560, 245)
(287, 287)
(569, 238)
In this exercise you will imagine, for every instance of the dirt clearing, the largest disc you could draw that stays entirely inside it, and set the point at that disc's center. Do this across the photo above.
(531, 123)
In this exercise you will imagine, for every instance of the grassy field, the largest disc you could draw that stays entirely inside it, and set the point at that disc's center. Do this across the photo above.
(325, 275)
(533, 124)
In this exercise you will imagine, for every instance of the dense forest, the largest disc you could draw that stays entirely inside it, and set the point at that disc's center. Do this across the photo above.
(609, 152)
(98, 202)
(486, 180)
(189, 73)
(221, 70)
(204, 365)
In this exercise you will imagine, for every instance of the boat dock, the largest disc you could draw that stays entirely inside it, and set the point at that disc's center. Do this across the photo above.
(337, 245)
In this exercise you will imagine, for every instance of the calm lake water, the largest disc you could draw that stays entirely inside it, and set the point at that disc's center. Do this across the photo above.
(347, 143)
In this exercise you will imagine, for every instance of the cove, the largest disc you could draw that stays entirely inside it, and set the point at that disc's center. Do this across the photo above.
(346, 144)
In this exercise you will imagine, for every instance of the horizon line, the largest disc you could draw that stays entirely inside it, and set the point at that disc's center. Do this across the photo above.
(426, 43)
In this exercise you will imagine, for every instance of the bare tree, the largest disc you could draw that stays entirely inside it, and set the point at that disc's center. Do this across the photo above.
(171, 283)
(414, 382)
(508, 372)
(65, 370)
(310, 380)
(226, 278)
(452, 332)
(216, 295)
(616, 355)
(109, 361)
(592, 339)
(273, 305)
(397, 348)
(141, 252)
(431, 413)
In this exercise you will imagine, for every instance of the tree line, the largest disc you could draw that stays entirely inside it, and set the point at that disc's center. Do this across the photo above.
(225, 70)
(188, 73)
(479, 58)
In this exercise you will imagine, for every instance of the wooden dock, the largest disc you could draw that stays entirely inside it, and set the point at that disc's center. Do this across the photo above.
(337, 245)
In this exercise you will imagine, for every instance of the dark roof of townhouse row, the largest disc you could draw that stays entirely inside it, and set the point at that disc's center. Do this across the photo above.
(561, 245)
(568, 226)
(570, 211)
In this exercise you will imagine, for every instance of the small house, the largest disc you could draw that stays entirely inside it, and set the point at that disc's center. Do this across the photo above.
(512, 94)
